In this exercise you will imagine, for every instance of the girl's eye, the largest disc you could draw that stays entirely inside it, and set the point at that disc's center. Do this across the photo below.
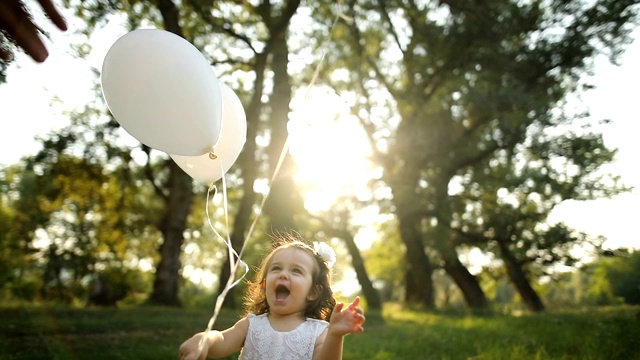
(297, 271)
(275, 268)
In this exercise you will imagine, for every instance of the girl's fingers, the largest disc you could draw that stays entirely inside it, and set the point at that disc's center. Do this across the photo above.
(355, 302)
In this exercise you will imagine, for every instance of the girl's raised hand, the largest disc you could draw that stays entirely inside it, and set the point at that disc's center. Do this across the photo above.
(190, 349)
(347, 321)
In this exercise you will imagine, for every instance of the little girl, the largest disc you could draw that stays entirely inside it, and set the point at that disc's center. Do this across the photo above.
(291, 311)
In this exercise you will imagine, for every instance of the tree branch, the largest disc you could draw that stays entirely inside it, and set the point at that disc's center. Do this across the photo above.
(148, 173)
(387, 18)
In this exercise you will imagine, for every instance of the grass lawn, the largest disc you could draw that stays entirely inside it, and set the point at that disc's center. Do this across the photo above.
(155, 333)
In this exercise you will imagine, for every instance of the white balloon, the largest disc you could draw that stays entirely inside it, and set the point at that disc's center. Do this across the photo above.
(163, 92)
(233, 137)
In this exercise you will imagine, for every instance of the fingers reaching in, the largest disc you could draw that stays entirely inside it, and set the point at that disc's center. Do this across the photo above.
(53, 14)
(17, 22)
(5, 54)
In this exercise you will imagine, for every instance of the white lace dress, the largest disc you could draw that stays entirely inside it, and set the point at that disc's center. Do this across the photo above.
(264, 343)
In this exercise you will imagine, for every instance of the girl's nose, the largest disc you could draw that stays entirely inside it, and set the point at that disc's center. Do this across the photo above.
(283, 275)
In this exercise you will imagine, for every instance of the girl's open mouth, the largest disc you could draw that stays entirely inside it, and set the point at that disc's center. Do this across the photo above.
(282, 292)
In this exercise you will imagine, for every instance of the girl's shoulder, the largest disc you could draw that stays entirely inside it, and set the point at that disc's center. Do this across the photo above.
(256, 316)
(265, 316)
(318, 321)
(242, 324)
(316, 326)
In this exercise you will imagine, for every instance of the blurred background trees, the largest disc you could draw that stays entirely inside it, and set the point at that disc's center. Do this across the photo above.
(471, 143)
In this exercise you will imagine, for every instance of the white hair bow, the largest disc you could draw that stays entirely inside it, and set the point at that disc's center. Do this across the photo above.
(325, 252)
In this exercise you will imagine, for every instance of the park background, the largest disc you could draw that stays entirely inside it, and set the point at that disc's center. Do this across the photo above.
(85, 204)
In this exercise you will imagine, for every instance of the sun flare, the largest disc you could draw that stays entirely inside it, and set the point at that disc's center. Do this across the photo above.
(330, 147)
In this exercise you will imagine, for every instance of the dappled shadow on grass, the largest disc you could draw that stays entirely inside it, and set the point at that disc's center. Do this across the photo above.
(591, 334)
(130, 333)
(157, 332)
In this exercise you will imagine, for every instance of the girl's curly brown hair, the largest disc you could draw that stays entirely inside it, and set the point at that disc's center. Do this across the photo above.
(321, 308)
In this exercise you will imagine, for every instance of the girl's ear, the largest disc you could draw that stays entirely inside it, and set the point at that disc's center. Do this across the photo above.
(314, 293)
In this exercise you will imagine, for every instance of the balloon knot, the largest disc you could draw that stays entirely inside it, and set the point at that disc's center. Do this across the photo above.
(212, 156)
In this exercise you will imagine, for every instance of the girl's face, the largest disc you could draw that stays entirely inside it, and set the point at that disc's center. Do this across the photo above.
(289, 280)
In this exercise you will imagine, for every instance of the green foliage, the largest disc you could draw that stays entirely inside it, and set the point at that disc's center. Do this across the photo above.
(611, 279)
(70, 218)
(615, 279)
(127, 284)
(386, 264)
(8, 251)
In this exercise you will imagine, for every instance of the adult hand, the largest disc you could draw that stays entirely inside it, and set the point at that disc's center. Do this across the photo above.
(17, 23)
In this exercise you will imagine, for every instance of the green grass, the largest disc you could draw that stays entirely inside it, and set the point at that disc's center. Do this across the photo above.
(156, 333)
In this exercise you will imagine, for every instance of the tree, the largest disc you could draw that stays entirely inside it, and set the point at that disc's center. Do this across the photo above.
(336, 224)
(463, 84)
(265, 38)
(503, 205)
(15, 250)
(242, 53)
(71, 217)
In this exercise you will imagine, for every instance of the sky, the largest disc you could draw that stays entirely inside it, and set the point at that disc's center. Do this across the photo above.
(27, 111)
(615, 98)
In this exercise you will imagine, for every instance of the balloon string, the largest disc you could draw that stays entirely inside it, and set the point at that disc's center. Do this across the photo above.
(285, 148)
(233, 255)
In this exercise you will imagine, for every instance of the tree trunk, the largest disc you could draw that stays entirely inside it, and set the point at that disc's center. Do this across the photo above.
(419, 285)
(170, 13)
(419, 272)
(248, 165)
(247, 160)
(472, 292)
(519, 280)
(282, 203)
(167, 277)
(445, 243)
(370, 293)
